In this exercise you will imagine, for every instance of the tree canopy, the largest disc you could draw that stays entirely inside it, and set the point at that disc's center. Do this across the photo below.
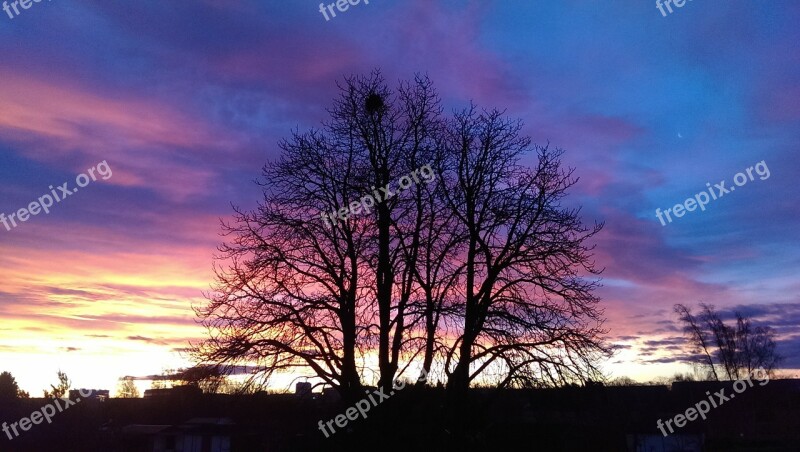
(396, 240)
(9, 389)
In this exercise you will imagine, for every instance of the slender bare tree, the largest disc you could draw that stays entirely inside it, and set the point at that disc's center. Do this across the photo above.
(699, 338)
(737, 350)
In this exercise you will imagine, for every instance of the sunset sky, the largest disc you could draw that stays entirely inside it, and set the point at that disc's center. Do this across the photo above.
(186, 100)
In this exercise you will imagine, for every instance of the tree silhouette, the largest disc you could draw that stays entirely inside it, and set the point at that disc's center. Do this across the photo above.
(623, 381)
(526, 309)
(61, 390)
(9, 388)
(473, 270)
(301, 291)
(736, 350)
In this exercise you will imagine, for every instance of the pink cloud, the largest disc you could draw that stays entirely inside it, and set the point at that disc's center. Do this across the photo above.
(57, 122)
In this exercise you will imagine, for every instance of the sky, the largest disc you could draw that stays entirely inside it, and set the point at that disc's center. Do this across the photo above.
(181, 103)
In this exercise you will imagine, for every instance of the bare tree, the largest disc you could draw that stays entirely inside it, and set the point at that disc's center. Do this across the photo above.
(737, 350)
(290, 295)
(437, 273)
(305, 290)
(61, 390)
(699, 338)
(392, 135)
(528, 314)
(317, 278)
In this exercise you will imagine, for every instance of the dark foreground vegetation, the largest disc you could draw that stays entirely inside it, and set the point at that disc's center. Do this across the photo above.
(594, 417)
